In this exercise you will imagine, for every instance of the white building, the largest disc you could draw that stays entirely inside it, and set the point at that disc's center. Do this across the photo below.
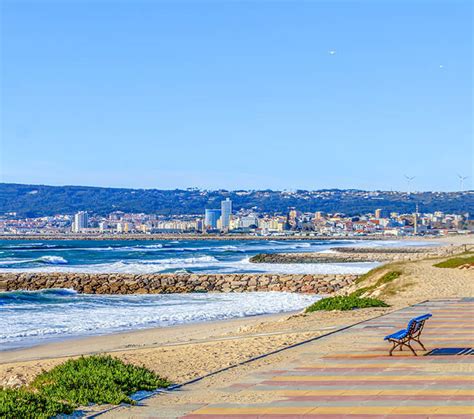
(80, 222)
(248, 221)
(226, 212)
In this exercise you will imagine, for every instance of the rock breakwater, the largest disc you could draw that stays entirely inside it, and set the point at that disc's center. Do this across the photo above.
(175, 283)
(355, 254)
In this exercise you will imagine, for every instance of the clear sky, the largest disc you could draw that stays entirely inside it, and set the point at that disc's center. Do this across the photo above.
(241, 94)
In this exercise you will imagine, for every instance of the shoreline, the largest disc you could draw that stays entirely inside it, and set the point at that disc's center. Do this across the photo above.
(71, 346)
(223, 237)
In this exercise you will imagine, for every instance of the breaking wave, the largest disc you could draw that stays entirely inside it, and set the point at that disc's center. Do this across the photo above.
(63, 313)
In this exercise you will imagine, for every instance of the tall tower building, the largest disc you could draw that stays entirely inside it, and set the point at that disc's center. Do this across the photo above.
(415, 221)
(226, 212)
(210, 218)
(80, 222)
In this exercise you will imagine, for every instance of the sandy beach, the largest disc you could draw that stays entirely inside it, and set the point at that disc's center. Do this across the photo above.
(186, 352)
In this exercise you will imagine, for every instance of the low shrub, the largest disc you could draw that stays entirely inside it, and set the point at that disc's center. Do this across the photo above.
(78, 382)
(344, 303)
(21, 403)
(96, 379)
(455, 262)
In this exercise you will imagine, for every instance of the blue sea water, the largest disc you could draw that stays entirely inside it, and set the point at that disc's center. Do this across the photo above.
(200, 256)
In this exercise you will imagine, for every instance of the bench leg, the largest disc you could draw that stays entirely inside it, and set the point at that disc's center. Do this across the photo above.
(400, 346)
(395, 344)
(419, 342)
(411, 349)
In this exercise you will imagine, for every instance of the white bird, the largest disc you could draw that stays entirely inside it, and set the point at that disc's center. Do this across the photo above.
(332, 52)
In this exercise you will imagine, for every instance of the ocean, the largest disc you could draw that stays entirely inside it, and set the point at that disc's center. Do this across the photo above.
(199, 256)
(31, 318)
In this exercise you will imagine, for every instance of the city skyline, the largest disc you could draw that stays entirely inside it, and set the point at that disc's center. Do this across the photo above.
(378, 223)
(234, 95)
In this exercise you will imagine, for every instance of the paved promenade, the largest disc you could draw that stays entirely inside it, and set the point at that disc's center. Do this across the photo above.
(358, 379)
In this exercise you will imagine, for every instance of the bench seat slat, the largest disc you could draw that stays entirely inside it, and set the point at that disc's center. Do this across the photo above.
(397, 335)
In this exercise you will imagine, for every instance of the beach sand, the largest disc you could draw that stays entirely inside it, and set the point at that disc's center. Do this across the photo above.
(185, 352)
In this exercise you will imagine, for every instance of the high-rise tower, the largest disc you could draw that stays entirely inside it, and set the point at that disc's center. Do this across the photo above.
(226, 212)
(81, 221)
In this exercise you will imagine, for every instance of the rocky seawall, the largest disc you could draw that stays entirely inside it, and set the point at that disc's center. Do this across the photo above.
(174, 283)
(404, 250)
(354, 254)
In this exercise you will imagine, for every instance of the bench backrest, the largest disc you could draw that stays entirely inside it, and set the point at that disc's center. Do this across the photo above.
(416, 324)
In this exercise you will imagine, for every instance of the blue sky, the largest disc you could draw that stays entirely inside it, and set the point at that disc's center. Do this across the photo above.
(282, 95)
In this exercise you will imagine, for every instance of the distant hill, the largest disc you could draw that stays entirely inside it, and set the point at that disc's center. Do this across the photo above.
(41, 200)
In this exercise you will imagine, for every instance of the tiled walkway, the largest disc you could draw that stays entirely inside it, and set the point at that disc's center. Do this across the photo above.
(368, 383)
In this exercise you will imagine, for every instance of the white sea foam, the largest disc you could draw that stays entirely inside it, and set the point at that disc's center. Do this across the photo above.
(92, 314)
(139, 248)
(22, 245)
(15, 261)
(301, 268)
(55, 260)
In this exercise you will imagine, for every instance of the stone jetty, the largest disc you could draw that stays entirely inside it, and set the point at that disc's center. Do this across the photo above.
(174, 283)
(361, 254)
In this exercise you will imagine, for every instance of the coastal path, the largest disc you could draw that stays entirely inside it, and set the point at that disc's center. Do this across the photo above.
(346, 375)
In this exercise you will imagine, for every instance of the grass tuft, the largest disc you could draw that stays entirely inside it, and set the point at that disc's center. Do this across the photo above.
(455, 262)
(385, 279)
(79, 382)
(369, 274)
(345, 303)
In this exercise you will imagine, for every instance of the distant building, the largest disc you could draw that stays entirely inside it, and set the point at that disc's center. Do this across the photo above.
(210, 218)
(80, 222)
(226, 212)
(248, 221)
(381, 213)
(318, 215)
(123, 227)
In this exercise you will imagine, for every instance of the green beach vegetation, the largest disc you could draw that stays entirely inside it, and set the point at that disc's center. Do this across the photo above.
(383, 280)
(23, 403)
(96, 379)
(355, 300)
(344, 303)
(456, 262)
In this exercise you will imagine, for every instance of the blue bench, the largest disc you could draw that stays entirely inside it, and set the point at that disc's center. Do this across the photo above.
(411, 333)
